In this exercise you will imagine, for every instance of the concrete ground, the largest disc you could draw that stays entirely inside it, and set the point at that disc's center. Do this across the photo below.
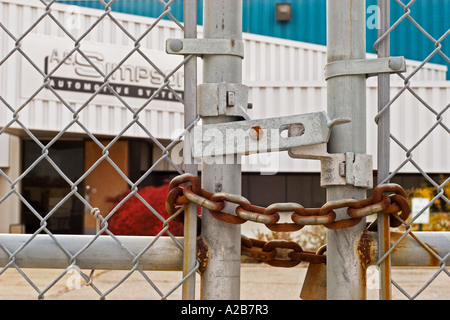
(258, 282)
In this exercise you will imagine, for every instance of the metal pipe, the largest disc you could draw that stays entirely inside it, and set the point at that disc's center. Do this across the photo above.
(346, 98)
(190, 114)
(383, 152)
(105, 253)
(221, 279)
(412, 249)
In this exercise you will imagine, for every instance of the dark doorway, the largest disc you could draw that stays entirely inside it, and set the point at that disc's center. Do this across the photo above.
(44, 187)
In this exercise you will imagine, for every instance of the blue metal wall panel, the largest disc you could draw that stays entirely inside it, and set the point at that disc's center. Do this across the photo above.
(408, 40)
(308, 22)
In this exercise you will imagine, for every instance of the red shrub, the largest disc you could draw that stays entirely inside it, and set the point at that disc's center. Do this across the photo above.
(134, 218)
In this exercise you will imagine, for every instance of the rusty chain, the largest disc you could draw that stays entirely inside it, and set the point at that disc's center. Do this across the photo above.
(388, 199)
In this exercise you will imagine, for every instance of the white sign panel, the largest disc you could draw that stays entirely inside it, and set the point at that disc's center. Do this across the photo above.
(83, 73)
(417, 204)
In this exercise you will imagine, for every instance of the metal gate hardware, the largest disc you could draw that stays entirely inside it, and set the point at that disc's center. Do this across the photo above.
(338, 168)
(216, 99)
(202, 47)
(369, 67)
(261, 135)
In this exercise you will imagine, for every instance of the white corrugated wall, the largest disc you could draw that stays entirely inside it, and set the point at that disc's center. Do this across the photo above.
(274, 59)
(411, 121)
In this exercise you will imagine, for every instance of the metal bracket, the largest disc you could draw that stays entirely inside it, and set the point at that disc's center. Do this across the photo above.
(306, 138)
(338, 168)
(368, 67)
(262, 135)
(216, 99)
(359, 170)
(202, 47)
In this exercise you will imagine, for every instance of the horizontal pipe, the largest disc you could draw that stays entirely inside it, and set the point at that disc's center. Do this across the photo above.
(105, 253)
(410, 251)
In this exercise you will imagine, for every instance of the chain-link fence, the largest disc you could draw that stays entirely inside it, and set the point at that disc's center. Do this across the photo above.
(392, 140)
(90, 102)
(103, 90)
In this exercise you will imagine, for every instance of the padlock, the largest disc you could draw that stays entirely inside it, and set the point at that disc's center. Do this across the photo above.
(315, 283)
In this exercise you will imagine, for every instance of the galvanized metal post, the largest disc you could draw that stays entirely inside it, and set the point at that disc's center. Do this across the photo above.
(346, 97)
(190, 114)
(107, 253)
(221, 280)
(384, 150)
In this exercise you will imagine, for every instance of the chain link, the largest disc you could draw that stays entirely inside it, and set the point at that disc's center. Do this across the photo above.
(180, 194)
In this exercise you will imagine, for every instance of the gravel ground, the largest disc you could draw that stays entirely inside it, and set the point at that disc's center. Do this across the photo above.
(258, 282)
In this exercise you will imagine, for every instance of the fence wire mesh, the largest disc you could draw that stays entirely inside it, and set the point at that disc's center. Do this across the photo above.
(86, 116)
(50, 18)
(435, 117)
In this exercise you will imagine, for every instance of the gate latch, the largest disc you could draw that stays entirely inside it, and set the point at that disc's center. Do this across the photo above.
(338, 168)
(261, 135)
(306, 137)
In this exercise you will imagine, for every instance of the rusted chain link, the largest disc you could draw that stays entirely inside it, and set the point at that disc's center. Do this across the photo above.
(394, 204)
(267, 252)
